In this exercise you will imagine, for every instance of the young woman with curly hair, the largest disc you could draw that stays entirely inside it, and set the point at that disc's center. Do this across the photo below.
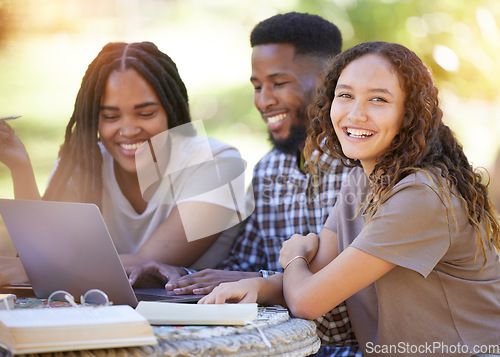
(411, 243)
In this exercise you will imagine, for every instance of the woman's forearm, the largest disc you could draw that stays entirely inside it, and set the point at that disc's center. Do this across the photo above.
(295, 291)
(270, 291)
(23, 179)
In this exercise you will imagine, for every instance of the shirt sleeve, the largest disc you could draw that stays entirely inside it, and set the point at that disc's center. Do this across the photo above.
(247, 251)
(410, 229)
(331, 221)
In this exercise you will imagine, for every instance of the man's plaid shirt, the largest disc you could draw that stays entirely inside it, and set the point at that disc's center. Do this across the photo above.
(288, 201)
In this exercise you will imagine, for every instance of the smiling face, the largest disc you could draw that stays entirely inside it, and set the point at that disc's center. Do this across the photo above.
(284, 85)
(131, 113)
(368, 109)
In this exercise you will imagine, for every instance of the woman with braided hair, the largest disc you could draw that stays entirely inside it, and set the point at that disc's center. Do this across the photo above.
(130, 93)
(412, 242)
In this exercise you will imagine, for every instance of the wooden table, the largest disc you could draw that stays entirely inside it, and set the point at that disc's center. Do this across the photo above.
(286, 336)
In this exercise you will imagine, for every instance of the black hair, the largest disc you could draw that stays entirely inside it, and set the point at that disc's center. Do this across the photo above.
(80, 158)
(309, 34)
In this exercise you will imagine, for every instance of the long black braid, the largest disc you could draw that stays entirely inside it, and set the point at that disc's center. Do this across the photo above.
(80, 158)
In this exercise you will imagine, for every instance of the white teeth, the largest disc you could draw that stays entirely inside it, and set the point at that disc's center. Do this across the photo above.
(276, 118)
(356, 133)
(132, 146)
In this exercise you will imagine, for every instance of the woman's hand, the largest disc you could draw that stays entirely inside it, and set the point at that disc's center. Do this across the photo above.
(203, 282)
(299, 245)
(152, 274)
(14, 155)
(243, 291)
(12, 151)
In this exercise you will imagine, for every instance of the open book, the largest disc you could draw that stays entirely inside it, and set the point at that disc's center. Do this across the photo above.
(160, 313)
(7, 301)
(64, 329)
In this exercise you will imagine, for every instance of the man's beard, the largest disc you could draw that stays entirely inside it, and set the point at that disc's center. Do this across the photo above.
(294, 142)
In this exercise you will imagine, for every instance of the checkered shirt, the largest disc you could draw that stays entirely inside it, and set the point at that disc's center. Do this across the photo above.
(288, 201)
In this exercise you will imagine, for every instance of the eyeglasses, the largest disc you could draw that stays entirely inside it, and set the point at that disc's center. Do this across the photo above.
(94, 297)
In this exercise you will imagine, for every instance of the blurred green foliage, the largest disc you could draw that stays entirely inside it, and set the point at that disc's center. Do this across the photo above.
(468, 28)
(46, 45)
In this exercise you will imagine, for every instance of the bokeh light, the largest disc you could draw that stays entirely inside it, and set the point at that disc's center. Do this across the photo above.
(46, 46)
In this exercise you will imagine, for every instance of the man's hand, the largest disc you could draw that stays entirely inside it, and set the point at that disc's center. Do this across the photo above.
(203, 282)
(153, 274)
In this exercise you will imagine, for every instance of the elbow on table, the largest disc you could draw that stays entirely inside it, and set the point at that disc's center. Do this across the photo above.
(302, 308)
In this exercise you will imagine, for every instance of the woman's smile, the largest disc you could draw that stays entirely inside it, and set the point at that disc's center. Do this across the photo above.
(368, 109)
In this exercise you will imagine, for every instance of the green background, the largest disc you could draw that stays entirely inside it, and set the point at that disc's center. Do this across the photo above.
(46, 46)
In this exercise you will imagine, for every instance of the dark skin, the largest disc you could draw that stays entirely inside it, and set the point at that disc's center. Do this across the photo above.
(283, 85)
(154, 274)
(176, 279)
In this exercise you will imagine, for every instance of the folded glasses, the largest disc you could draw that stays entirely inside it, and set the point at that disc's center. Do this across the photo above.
(94, 297)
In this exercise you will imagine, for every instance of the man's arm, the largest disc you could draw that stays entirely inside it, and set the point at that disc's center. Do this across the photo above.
(246, 255)
(245, 260)
(154, 274)
(203, 282)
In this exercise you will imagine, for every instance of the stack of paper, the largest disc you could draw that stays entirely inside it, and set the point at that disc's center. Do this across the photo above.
(161, 313)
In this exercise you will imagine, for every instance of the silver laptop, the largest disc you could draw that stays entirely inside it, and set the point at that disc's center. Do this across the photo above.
(66, 246)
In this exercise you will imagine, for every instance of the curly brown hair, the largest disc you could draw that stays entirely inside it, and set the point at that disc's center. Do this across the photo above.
(424, 142)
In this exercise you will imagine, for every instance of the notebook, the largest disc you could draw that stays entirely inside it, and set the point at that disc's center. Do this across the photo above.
(66, 246)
